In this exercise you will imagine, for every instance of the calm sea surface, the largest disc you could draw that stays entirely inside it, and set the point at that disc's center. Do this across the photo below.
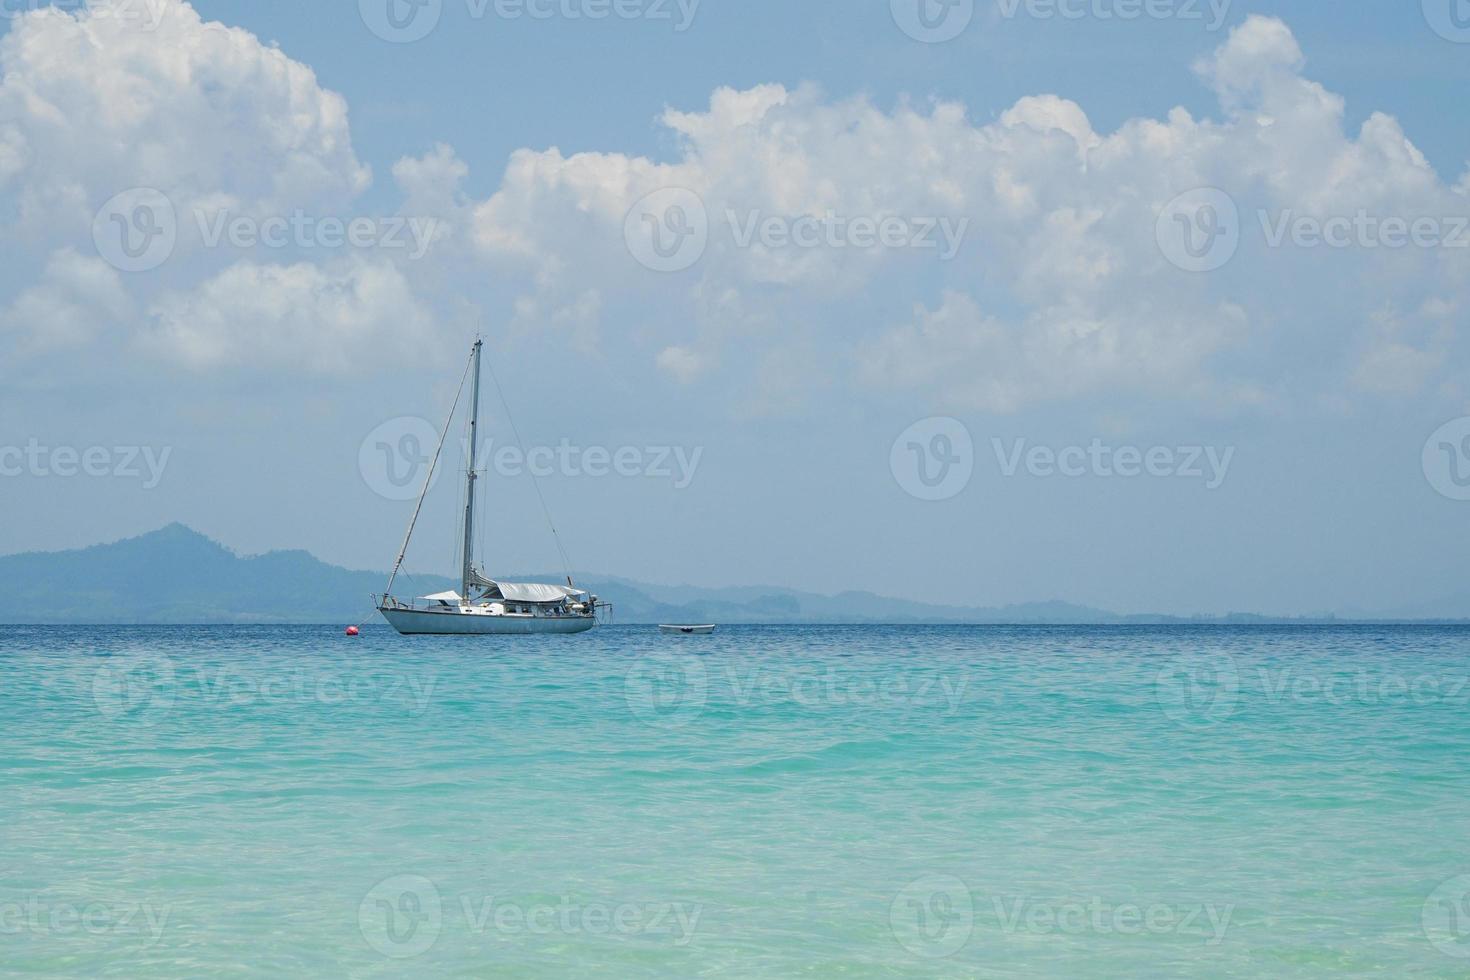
(769, 801)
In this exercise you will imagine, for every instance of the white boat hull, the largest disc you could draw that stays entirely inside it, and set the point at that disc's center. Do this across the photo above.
(414, 622)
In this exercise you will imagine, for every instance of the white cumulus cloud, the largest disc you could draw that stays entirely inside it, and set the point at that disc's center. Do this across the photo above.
(1059, 288)
(296, 317)
(76, 299)
(95, 102)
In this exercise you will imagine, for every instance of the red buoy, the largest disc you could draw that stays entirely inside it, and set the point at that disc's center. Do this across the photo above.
(353, 631)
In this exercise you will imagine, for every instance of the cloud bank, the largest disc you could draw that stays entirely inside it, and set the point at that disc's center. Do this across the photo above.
(815, 215)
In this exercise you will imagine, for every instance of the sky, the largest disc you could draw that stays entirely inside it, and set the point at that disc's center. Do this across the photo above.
(1152, 305)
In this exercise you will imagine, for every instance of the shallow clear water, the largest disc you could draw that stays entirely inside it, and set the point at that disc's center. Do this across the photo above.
(1103, 802)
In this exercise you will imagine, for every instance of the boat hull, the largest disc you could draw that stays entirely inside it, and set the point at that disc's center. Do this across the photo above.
(688, 630)
(413, 622)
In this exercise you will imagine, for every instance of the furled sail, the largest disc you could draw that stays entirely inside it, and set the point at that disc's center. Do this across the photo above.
(518, 592)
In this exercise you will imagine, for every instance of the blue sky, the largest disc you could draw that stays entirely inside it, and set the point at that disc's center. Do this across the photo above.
(1307, 383)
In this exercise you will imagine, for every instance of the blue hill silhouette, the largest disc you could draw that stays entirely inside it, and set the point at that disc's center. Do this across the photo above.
(176, 575)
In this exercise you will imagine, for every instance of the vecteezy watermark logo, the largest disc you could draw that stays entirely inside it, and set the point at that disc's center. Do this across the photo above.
(1123, 10)
(42, 917)
(1100, 460)
(819, 690)
(1341, 688)
(667, 230)
(570, 915)
(134, 687)
(1199, 231)
(136, 231)
(143, 15)
(1198, 690)
(401, 917)
(394, 458)
(143, 463)
(1365, 230)
(397, 233)
(401, 21)
(1020, 915)
(1446, 459)
(666, 690)
(1446, 917)
(1450, 19)
(933, 21)
(405, 21)
(933, 917)
(144, 687)
(404, 916)
(680, 13)
(834, 231)
(676, 463)
(933, 459)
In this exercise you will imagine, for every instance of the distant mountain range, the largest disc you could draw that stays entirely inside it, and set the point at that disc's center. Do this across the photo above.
(177, 575)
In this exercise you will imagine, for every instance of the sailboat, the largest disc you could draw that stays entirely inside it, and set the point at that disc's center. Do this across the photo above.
(482, 605)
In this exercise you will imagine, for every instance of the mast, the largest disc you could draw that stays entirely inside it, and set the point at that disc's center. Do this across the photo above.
(469, 506)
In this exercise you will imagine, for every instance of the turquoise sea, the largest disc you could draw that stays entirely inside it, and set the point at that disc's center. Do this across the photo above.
(766, 802)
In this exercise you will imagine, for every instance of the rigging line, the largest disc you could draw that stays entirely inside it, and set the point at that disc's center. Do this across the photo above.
(480, 522)
(458, 558)
(481, 518)
(429, 477)
(406, 574)
(566, 563)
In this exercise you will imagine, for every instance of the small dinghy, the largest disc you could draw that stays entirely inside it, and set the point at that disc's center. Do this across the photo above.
(688, 630)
